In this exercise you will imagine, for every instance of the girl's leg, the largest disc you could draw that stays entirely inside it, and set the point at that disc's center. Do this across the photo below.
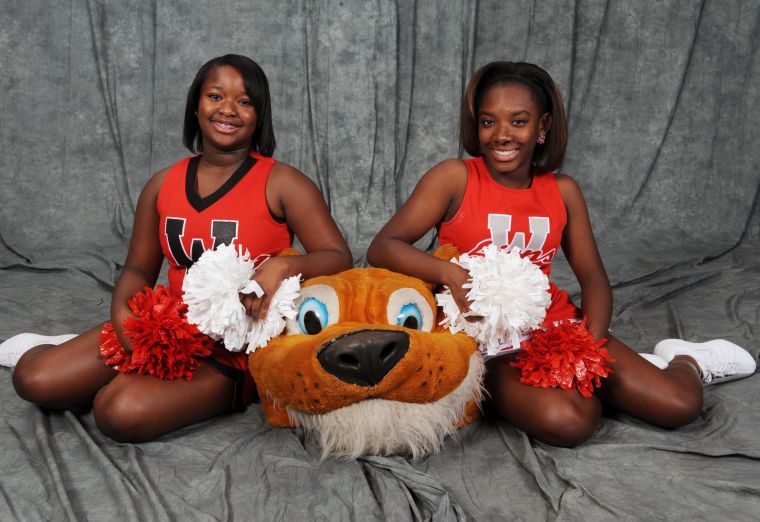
(63, 376)
(551, 415)
(136, 408)
(669, 398)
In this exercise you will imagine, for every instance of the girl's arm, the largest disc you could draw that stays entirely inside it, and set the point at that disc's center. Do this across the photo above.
(295, 198)
(580, 249)
(435, 199)
(144, 257)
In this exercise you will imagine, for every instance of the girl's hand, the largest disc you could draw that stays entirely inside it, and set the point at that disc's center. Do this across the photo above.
(456, 277)
(268, 275)
(117, 320)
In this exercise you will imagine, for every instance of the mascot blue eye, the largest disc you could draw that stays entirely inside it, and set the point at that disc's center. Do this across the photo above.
(409, 316)
(312, 316)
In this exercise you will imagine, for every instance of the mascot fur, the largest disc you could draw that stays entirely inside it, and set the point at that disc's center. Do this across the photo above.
(366, 367)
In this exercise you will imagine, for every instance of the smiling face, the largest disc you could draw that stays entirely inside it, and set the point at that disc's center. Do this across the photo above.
(226, 116)
(509, 124)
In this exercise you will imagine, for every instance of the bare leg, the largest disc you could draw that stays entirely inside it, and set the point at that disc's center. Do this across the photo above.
(136, 408)
(551, 415)
(63, 376)
(127, 407)
(669, 398)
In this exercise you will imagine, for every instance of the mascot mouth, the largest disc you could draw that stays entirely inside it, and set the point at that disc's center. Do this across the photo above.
(363, 357)
(385, 427)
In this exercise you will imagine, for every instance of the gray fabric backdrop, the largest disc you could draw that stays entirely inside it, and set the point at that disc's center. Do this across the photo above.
(663, 100)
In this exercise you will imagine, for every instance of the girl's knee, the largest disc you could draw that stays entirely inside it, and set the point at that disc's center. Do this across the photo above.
(683, 407)
(33, 382)
(119, 415)
(568, 423)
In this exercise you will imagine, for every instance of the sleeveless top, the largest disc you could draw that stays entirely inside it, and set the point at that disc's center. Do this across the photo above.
(530, 220)
(236, 213)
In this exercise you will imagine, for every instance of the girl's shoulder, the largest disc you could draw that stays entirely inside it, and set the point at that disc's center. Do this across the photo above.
(570, 191)
(286, 176)
(452, 166)
(180, 167)
(566, 184)
(154, 183)
(449, 176)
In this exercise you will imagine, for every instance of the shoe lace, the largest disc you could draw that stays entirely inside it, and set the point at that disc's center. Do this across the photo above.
(718, 369)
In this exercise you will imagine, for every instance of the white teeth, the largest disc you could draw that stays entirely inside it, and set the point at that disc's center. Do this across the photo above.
(225, 127)
(504, 154)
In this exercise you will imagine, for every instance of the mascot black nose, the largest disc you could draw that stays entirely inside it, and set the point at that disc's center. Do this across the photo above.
(364, 357)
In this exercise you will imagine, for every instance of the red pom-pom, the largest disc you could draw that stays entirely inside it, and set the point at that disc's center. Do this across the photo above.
(164, 344)
(112, 351)
(565, 356)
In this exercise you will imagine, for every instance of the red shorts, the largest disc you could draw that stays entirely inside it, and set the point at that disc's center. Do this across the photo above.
(561, 307)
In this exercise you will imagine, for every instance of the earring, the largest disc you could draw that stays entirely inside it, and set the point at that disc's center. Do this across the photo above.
(541, 139)
(196, 113)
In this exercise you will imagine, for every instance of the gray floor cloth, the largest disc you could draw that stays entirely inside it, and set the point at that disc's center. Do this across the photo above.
(58, 466)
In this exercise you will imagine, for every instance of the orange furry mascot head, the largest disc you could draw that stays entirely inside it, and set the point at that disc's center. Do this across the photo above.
(366, 367)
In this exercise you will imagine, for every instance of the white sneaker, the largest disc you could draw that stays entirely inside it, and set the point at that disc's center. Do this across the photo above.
(12, 349)
(719, 360)
(656, 360)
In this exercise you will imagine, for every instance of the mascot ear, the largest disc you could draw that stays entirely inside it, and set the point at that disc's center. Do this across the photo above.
(288, 252)
(446, 252)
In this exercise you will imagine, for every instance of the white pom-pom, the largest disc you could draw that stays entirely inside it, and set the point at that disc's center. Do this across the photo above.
(211, 291)
(282, 306)
(508, 291)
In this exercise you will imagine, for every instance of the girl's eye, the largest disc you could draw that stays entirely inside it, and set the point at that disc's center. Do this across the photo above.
(410, 317)
(215, 97)
(245, 103)
(486, 123)
(312, 316)
(519, 123)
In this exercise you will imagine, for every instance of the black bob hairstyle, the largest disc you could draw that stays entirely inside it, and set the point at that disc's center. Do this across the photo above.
(256, 86)
(545, 93)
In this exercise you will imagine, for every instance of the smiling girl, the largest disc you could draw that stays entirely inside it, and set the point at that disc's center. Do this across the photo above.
(232, 191)
(513, 124)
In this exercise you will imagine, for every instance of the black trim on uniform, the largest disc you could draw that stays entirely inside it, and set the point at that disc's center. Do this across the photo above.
(200, 204)
(233, 374)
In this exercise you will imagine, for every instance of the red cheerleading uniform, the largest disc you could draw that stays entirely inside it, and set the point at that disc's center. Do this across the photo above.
(531, 220)
(236, 213)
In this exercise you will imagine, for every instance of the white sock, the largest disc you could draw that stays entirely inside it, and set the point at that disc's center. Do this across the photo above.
(12, 349)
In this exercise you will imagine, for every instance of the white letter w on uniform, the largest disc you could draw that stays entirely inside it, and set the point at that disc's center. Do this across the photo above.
(501, 224)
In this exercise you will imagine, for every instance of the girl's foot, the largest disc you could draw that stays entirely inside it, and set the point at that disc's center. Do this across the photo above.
(12, 349)
(719, 360)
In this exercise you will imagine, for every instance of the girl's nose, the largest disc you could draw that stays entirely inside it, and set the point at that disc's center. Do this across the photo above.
(503, 133)
(228, 107)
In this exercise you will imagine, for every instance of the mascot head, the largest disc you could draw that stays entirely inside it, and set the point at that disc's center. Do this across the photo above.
(366, 367)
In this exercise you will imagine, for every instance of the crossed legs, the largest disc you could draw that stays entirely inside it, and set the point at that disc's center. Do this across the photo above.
(127, 407)
(669, 398)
